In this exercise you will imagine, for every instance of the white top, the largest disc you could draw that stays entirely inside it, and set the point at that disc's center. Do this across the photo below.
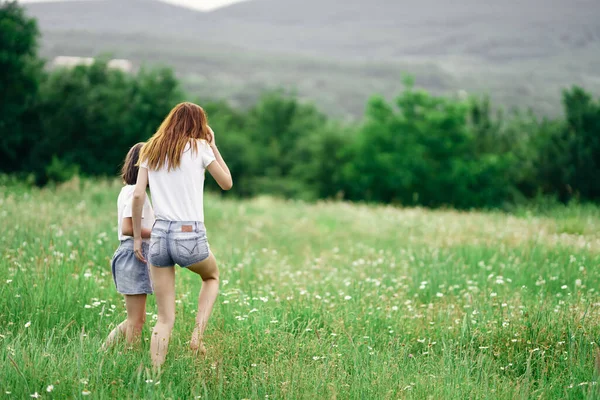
(124, 210)
(178, 194)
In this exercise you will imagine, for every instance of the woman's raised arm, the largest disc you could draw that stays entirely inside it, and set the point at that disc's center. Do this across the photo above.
(219, 169)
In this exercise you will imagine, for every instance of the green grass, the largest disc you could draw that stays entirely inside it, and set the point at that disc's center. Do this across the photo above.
(326, 300)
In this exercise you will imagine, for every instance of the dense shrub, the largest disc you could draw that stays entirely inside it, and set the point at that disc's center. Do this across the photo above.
(424, 151)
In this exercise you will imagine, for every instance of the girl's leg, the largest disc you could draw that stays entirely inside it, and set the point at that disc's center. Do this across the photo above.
(209, 272)
(136, 316)
(131, 328)
(164, 291)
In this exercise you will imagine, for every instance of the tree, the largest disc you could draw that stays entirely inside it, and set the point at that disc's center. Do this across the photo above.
(423, 151)
(91, 115)
(583, 134)
(241, 152)
(20, 72)
(277, 125)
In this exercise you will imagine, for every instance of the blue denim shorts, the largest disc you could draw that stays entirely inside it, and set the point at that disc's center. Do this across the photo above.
(178, 242)
(130, 274)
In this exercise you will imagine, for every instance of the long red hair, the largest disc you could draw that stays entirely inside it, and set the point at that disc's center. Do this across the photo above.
(185, 121)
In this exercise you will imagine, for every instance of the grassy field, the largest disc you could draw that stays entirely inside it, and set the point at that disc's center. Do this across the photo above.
(330, 300)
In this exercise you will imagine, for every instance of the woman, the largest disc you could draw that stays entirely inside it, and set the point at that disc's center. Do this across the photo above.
(132, 278)
(173, 163)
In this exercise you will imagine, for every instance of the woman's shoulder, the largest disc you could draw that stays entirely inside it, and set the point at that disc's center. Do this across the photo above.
(198, 147)
(127, 188)
(202, 142)
(195, 144)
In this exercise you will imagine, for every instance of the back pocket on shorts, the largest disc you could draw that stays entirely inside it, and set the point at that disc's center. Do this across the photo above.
(155, 246)
(192, 250)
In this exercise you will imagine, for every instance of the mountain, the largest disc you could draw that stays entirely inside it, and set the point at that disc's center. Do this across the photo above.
(386, 29)
(116, 16)
(392, 29)
(339, 53)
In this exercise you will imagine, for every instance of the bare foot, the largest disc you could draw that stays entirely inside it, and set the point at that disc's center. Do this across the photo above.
(201, 350)
(114, 336)
(196, 344)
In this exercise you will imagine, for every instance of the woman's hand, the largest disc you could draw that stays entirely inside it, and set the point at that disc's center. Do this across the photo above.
(213, 142)
(137, 249)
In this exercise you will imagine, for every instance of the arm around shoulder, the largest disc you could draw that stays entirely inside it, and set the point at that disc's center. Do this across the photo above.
(137, 202)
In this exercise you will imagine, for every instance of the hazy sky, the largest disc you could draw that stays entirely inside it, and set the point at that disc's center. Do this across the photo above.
(197, 4)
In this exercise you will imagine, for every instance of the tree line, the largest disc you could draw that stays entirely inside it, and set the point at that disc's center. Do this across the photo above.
(418, 149)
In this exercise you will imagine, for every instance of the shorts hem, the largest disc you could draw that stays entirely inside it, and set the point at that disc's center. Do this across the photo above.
(136, 293)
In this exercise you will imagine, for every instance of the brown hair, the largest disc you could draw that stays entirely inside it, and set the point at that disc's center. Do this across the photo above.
(185, 121)
(129, 172)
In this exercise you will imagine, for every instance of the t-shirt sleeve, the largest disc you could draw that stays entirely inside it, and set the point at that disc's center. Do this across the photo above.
(208, 156)
(144, 164)
(127, 212)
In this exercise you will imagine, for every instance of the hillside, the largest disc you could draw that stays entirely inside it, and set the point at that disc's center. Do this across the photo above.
(522, 54)
(114, 16)
(394, 29)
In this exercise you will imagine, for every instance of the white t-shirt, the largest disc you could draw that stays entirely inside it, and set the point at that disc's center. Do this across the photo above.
(178, 194)
(124, 210)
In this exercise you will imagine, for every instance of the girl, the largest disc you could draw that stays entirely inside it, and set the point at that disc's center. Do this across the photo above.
(173, 162)
(130, 274)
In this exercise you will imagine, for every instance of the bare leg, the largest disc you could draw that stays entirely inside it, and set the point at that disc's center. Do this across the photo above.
(209, 272)
(136, 316)
(132, 326)
(164, 290)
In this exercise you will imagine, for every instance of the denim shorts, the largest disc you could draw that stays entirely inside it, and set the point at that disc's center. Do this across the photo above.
(130, 274)
(178, 242)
